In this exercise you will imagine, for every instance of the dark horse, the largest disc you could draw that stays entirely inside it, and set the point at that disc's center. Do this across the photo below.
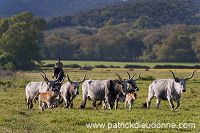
(58, 74)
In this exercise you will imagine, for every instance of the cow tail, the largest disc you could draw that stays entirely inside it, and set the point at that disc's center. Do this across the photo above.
(36, 97)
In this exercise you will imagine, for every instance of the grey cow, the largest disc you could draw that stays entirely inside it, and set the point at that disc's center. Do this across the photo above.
(102, 90)
(131, 88)
(69, 90)
(167, 89)
(33, 88)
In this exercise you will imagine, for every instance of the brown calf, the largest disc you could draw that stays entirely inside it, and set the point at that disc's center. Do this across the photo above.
(47, 98)
(130, 98)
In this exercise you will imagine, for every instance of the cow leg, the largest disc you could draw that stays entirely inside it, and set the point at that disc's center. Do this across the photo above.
(171, 103)
(116, 104)
(71, 105)
(84, 101)
(41, 105)
(104, 105)
(94, 105)
(157, 103)
(48, 104)
(130, 105)
(66, 102)
(178, 104)
(125, 104)
(149, 101)
(29, 103)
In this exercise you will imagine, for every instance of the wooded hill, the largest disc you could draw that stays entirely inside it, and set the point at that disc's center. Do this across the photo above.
(159, 13)
(166, 31)
(47, 8)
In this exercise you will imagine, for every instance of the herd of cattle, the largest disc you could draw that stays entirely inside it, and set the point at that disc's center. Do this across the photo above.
(50, 93)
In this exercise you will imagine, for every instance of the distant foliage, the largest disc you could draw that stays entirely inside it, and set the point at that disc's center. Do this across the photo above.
(151, 14)
(73, 66)
(86, 68)
(100, 66)
(136, 66)
(148, 78)
(176, 67)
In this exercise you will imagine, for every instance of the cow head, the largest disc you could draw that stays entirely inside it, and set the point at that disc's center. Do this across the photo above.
(52, 83)
(132, 83)
(181, 82)
(123, 85)
(75, 84)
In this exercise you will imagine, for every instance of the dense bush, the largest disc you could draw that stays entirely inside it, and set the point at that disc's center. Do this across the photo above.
(73, 66)
(86, 68)
(100, 66)
(136, 66)
(148, 77)
(176, 66)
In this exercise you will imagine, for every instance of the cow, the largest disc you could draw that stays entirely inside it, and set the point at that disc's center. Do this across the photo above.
(103, 90)
(32, 88)
(131, 88)
(69, 90)
(130, 98)
(167, 89)
(47, 98)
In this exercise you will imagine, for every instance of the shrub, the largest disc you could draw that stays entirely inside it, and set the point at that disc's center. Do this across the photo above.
(148, 78)
(100, 66)
(136, 66)
(111, 66)
(86, 68)
(73, 66)
(176, 66)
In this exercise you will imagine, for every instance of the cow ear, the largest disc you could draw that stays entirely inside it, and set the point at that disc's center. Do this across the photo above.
(177, 80)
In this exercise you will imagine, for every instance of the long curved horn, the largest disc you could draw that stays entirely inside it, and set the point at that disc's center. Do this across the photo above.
(128, 74)
(44, 76)
(137, 77)
(83, 79)
(119, 77)
(129, 77)
(191, 75)
(173, 74)
(69, 78)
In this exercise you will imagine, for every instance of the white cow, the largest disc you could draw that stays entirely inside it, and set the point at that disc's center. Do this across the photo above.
(33, 88)
(167, 89)
(69, 90)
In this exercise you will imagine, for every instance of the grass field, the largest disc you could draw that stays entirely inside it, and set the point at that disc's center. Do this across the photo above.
(120, 64)
(15, 117)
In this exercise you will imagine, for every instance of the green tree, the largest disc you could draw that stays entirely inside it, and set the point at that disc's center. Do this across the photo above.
(144, 22)
(196, 44)
(22, 40)
(176, 48)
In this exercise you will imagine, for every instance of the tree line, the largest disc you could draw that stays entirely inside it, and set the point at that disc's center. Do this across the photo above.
(159, 13)
(124, 42)
(25, 40)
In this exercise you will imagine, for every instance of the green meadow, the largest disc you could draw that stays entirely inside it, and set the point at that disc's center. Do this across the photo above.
(120, 64)
(16, 117)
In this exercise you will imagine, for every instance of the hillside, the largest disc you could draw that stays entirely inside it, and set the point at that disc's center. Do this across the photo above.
(44, 8)
(159, 12)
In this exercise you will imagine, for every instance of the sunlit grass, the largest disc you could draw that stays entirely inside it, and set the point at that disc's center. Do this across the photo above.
(15, 117)
(120, 64)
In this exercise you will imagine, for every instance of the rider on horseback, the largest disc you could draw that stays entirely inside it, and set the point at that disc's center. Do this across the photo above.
(59, 65)
(57, 68)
